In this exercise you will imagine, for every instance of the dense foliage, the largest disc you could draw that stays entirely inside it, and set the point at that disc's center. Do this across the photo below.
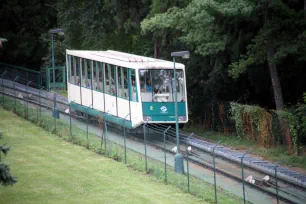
(246, 51)
(5, 175)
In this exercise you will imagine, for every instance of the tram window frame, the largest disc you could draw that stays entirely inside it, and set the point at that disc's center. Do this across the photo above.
(75, 69)
(71, 73)
(80, 68)
(69, 68)
(133, 88)
(91, 72)
(102, 68)
(116, 80)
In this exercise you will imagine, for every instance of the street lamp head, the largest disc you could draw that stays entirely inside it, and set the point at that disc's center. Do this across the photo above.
(183, 54)
(58, 31)
(2, 40)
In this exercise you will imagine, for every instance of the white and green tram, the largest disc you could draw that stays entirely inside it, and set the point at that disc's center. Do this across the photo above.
(125, 89)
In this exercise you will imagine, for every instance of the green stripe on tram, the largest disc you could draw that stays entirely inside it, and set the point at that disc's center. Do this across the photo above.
(105, 116)
(163, 111)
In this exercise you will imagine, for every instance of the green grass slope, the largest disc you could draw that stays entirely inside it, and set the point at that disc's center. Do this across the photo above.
(51, 170)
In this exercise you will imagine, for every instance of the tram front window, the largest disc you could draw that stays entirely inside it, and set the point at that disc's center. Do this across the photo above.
(157, 85)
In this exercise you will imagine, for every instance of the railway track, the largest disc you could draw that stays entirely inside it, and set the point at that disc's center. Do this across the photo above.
(287, 192)
(290, 191)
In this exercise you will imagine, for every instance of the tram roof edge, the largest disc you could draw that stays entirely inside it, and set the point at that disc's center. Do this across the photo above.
(125, 59)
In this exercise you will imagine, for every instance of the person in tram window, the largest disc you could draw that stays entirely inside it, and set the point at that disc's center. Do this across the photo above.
(133, 87)
(112, 91)
(134, 90)
(148, 86)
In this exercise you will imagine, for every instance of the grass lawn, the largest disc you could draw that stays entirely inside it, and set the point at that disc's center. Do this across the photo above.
(51, 170)
(273, 154)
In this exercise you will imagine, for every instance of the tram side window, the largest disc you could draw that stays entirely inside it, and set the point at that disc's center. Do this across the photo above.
(134, 96)
(70, 69)
(89, 73)
(83, 72)
(86, 81)
(109, 79)
(112, 79)
(76, 67)
(106, 76)
(101, 79)
(122, 83)
(95, 76)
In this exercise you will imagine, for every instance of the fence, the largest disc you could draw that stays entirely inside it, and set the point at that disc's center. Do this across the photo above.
(147, 148)
(60, 78)
(23, 74)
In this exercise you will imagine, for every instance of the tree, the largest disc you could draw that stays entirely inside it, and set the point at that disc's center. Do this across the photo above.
(280, 38)
(24, 24)
(212, 32)
(5, 176)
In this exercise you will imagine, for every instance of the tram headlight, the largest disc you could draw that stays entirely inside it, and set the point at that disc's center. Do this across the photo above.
(147, 118)
(182, 118)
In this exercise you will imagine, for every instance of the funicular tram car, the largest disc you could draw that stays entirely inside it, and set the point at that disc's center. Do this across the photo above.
(125, 89)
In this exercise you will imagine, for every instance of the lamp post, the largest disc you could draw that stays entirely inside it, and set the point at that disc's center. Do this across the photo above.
(179, 160)
(58, 31)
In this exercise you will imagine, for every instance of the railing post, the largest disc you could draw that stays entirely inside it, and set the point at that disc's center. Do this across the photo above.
(187, 155)
(165, 153)
(70, 127)
(214, 163)
(276, 184)
(15, 93)
(105, 133)
(124, 134)
(145, 146)
(242, 175)
(4, 73)
(27, 97)
(87, 127)
(102, 134)
(39, 101)
(105, 136)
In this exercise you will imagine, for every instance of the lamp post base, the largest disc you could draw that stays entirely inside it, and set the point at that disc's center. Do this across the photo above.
(179, 163)
(55, 113)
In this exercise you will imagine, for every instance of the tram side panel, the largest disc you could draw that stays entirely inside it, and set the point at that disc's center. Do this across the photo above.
(86, 97)
(110, 105)
(98, 101)
(123, 108)
(74, 93)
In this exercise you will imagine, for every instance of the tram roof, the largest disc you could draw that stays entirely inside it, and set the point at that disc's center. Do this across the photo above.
(125, 59)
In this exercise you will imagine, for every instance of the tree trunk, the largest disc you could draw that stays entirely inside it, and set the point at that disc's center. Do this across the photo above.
(156, 48)
(277, 91)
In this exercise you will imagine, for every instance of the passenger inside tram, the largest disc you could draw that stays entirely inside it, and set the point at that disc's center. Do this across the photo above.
(157, 85)
(148, 86)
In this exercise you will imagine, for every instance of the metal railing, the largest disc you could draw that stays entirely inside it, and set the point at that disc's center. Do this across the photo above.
(150, 150)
